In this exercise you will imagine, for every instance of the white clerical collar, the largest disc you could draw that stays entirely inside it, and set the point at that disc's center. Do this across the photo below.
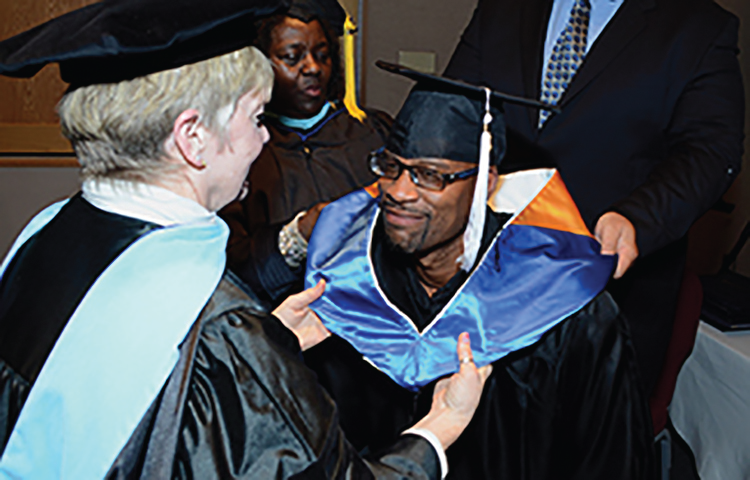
(305, 123)
(145, 202)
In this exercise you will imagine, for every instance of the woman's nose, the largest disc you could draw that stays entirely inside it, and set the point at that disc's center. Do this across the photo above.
(311, 65)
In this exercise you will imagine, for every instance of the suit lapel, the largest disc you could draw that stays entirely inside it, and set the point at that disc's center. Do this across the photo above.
(626, 25)
(533, 30)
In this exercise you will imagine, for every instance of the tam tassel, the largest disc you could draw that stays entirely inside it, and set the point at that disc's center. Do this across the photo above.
(475, 226)
(350, 81)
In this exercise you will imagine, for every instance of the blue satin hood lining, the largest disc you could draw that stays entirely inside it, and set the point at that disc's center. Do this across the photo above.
(528, 280)
(115, 353)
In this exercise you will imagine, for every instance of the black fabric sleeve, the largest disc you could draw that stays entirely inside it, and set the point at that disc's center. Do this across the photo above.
(254, 411)
(277, 332)
(407, 458)
(704, 150)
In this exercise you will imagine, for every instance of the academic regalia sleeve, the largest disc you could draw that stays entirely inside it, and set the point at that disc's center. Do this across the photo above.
(254, 411)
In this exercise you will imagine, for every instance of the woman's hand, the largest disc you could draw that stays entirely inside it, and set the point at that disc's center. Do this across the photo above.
(296, 315)
(456, 397)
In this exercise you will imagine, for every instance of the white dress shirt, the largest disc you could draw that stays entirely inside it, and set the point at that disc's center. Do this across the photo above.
(144, 202)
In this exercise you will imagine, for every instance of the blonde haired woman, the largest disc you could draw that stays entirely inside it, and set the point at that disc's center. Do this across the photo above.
(126, 348)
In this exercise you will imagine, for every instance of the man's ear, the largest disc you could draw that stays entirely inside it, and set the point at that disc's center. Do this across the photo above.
(189, 136)
(492, 180)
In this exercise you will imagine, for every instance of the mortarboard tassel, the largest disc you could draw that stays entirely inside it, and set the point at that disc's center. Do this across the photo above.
(475, 226)
(350, 95)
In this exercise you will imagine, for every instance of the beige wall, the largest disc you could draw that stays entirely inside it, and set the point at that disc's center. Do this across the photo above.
(25, 191)
(427, 26)
(351, 7)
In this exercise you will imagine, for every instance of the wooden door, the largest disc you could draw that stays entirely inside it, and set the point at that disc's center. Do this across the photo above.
(29, 130)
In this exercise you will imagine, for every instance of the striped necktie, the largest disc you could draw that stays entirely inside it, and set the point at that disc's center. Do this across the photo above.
(567, 56)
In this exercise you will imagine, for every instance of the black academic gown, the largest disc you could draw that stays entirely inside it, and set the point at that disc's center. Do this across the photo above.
(238, 404)
(296, 170)
(570, 406)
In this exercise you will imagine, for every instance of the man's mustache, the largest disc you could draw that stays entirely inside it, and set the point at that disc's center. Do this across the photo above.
(390, 204)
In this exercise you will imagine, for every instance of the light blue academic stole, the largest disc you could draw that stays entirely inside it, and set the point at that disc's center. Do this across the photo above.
(115, 353)
(541, 268)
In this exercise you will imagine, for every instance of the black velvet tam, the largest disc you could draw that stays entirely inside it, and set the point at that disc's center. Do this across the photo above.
(117, 40)
(444, 125)
(329, 10)
(443, 118)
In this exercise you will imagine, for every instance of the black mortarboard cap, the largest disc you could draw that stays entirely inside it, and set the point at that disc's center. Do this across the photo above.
(117, 40)
(329, 10)
(443, 118)
(435, 124)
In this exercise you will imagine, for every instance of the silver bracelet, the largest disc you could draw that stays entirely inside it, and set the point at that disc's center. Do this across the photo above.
(292, 244)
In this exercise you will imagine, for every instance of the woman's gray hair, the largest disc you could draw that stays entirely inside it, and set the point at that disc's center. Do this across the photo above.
(118, 130)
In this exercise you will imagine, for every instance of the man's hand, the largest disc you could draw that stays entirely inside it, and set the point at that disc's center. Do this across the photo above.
(456, 398)
(296, 315)
(307, 221)
(617, 235)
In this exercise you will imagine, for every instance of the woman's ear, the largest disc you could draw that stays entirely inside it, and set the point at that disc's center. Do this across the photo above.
(190, 136)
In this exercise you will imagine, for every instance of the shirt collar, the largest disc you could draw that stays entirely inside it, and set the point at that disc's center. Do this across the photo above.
(145, 202)
(305, 123)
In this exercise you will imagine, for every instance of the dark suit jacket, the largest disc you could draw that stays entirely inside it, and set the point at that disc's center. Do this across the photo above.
(651, 127)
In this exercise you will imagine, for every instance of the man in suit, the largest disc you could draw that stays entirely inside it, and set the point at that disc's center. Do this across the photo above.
(650, 130)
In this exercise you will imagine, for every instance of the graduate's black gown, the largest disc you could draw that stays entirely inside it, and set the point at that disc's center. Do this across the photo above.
(570, 406)
(239, 403)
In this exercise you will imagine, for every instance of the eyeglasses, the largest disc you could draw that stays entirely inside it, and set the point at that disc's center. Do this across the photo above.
(385, 164)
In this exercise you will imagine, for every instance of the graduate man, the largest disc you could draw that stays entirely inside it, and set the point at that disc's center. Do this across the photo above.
(420, 256)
